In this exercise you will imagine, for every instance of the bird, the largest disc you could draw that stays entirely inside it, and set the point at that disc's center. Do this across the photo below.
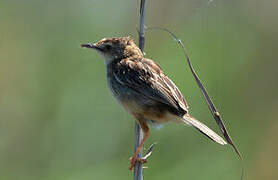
(144, 90)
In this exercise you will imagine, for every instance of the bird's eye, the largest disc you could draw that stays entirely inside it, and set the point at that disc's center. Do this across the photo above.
(108, 46)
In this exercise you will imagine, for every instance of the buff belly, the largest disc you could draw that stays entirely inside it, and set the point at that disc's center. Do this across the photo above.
(153, 114)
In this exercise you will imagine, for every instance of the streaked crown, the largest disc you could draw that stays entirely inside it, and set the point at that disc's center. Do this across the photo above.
(116, 48)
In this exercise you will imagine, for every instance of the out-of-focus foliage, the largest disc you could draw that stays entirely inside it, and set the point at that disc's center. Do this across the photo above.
(58, 119)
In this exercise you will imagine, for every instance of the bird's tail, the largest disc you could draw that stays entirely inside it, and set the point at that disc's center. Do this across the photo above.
(203, 129)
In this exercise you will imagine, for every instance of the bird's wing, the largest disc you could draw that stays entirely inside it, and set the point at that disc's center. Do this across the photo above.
(147, 78)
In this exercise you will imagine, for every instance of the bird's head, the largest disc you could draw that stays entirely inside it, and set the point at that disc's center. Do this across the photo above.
(115, 48)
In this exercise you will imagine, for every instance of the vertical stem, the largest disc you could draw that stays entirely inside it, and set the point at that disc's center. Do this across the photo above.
(142, 24)
(138, 169)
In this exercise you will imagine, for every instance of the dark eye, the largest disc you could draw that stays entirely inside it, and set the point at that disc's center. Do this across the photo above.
(108, 46)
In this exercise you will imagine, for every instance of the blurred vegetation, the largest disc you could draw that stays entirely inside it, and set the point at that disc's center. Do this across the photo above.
(58, 119)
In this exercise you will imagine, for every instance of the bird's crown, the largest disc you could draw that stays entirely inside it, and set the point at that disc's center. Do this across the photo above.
(116, 48)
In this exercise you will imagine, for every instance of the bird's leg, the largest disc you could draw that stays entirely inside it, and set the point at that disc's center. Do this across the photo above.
(146, 131)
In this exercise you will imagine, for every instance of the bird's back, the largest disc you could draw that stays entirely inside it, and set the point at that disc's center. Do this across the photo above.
(142, 87)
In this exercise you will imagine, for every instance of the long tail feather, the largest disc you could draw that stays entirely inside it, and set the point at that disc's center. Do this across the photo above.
(203, 129)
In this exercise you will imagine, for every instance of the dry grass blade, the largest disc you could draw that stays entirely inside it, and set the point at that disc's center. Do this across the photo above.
(216, 115)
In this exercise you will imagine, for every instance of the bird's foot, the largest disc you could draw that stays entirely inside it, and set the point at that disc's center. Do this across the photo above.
(134, 160)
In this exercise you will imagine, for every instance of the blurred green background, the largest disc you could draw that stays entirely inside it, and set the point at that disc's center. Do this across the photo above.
(58, 119)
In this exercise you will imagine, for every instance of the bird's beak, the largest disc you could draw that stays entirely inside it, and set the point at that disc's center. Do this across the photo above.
(90, 45)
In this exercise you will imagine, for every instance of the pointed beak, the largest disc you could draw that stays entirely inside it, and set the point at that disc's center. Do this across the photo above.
(90, 45)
